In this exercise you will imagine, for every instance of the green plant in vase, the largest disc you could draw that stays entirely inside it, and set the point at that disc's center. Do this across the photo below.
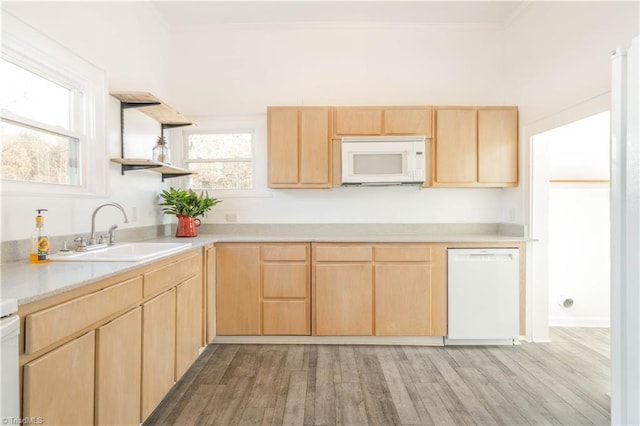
(187, 205)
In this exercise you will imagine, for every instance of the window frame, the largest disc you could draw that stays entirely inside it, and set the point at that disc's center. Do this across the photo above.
(29, 49)
(256, 125)
(250, 160)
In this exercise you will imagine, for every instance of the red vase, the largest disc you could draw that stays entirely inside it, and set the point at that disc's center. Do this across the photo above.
(187, 226)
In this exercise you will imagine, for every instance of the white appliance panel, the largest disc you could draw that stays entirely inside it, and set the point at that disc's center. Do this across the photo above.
(483, 292)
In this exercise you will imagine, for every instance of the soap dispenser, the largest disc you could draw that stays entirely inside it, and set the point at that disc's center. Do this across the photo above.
(39, 241)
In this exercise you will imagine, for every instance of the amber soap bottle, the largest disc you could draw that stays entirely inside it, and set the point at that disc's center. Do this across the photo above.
(39, 241)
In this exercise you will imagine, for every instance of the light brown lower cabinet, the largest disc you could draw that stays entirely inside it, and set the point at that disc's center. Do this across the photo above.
(238, 289)
(263, 289)
(58, 387)
(403, 299)
(189, 323)
(114, 349)
(343, 299)
(158, 349)
(379, 289)
(118, 368)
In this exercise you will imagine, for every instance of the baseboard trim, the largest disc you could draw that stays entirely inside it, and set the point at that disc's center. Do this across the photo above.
(579, 322)
(481, 342)
(333, 340)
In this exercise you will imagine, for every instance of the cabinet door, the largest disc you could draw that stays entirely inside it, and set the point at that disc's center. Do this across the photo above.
(158, 349)
(408, 121)
(343, 299)
(315, 146)
(498, 146)
(456, 147)
(210, 280)
(189, 310)
(118, 372)
(59, 386)
(403, 299)
(238, 289)
(358, 121)
(283, 146)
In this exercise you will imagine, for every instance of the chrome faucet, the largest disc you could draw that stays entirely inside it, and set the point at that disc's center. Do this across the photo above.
(92, 237)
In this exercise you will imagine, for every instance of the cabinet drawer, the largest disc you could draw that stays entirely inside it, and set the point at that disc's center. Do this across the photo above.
(408, 121)
(171, 274)
(285, 280)
(403, 253)
(285, 317)
(285, 252)
(343, 253)
(50, 325)
(358, 121)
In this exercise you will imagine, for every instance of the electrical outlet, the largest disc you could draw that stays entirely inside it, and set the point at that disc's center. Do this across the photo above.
(231, 217)
(134, 214)
(512, 214)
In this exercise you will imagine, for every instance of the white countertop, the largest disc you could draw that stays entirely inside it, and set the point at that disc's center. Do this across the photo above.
(30, 282)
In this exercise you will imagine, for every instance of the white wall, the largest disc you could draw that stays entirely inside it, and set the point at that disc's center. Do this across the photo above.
(579, 244)
(557, 57)
(128, 41)
(579, 255)
(241, 69)
(549, 57)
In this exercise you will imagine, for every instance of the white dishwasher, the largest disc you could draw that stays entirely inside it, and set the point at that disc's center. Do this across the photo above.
(483, 302)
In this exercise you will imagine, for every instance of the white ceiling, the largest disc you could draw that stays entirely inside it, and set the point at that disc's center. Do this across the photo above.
(185, 13)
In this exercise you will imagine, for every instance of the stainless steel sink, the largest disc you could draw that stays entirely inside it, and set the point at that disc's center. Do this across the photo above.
(123, 252)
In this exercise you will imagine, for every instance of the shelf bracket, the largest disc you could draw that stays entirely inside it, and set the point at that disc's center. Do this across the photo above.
(130, 167)
(127, 105)
(165, 126)
(173, 175)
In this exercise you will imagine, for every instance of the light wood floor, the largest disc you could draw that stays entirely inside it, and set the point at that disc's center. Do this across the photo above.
(564, 382)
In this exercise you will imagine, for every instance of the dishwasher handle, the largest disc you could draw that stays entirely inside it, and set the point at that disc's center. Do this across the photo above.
(483, 257)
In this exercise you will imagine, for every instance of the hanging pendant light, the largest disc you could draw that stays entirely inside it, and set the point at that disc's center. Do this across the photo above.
(160, 152)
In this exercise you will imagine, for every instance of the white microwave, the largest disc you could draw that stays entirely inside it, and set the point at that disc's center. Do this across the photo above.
(383, 160)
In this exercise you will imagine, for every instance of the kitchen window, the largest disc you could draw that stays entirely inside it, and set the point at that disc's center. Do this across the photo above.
(223, 160)
(53, 107)
(39, 140)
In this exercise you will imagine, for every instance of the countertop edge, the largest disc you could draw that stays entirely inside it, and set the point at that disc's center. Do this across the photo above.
(91, 272)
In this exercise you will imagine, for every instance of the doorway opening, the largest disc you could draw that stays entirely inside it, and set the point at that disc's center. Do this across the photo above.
(570, 219)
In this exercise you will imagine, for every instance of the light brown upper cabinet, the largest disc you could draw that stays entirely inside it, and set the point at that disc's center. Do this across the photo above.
(498, 146)
(476, 147)
(413, 120)
(299, 147)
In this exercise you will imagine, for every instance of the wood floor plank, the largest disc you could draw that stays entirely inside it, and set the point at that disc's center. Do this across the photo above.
(405, 368)
(325, 396)
(350, 408)
(281, 398)
(263, 392)
(296, 399)
(251, 416)
(423, 370)
(565, 382)
(309, 408)
(567, 393)
(462, 390)
(377, 397)
(434, 403)
(399, 393)
(295, 358)
(499, 408)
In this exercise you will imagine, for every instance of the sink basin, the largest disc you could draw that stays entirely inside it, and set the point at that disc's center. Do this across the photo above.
(123, 252)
